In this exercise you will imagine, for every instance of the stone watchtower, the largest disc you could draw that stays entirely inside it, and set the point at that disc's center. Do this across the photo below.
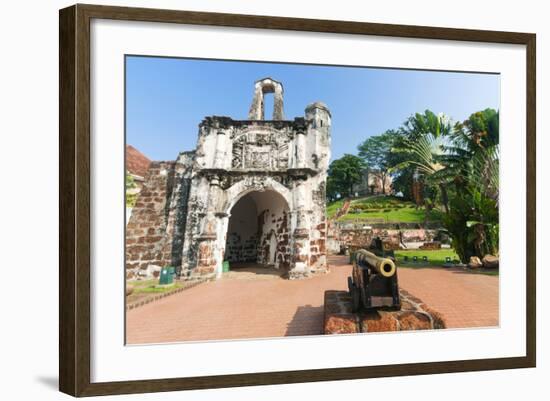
(253, 191)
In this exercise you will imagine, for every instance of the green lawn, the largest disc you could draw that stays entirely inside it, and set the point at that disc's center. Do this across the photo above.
(333, 207)
(389, 208)
(150, 286)
(435, 258)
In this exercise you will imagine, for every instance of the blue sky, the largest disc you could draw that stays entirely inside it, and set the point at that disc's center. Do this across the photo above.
(166, 98)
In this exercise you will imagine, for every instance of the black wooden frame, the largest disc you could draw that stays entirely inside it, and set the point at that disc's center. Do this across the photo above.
(74, 199)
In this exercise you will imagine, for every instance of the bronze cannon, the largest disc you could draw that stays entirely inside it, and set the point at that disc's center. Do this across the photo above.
(373, 284)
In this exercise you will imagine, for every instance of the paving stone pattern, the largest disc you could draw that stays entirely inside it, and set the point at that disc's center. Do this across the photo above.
(249, 308)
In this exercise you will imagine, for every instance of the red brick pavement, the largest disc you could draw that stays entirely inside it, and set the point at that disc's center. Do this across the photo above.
(465, 299)
(249, 308)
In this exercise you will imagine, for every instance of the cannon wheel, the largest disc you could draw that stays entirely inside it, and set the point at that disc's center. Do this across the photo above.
(355, 295)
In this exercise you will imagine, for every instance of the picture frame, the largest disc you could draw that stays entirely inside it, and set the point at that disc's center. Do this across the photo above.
(76, 208)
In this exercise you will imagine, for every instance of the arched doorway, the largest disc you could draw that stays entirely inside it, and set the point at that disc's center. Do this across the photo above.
(258, 231)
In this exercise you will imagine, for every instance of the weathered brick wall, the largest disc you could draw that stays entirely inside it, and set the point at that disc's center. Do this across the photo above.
(233, 247)
(317, 247)
(249, 249)
(283, 240)
(178, 207)
(196, 212)
(242, 232)
(239, 249)
(364, 237)
(318, 233)
(274, 222)
(146, 229)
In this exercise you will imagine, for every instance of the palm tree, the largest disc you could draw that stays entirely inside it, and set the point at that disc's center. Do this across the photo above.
(472, 163)
(424, 145)
(472, 157)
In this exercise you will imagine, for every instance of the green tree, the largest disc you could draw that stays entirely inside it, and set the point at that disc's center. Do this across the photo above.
(427, 123)
(375, 151)
(333, 191)
(343, 173)
(456, 165)
(472, 164)
(423, 145)
(473, 156)
(131, 196)
(473, 224)
(402, 177)
(481, 128)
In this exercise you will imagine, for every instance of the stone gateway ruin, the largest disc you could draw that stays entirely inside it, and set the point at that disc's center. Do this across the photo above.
(253, 191)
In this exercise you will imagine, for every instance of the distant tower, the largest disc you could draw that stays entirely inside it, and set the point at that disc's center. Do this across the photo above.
(319, 114)
(257, 109)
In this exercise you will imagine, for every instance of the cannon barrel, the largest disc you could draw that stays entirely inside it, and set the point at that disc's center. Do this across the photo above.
(382, 266)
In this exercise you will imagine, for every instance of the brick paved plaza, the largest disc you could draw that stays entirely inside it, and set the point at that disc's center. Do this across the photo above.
(250, 305)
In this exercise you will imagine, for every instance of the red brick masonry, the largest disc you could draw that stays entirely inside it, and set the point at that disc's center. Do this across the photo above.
(414, 315)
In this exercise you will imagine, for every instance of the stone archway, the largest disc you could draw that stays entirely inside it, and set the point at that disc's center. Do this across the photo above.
(258, 230)
(254, 184)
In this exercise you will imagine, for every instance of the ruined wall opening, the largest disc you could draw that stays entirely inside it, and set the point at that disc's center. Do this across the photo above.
(260, 109)
(268, 105)
(258, 231)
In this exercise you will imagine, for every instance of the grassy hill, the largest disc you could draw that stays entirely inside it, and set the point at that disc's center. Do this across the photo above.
(389, 208)
(333, 207)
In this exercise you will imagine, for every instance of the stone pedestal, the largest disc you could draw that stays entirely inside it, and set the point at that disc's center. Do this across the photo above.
(414, 315)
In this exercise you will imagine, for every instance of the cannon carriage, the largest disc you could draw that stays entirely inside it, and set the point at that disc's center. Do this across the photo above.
(373, 284)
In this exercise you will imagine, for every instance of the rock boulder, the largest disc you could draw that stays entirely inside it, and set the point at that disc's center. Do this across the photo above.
(490, 262)
(475, 263)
